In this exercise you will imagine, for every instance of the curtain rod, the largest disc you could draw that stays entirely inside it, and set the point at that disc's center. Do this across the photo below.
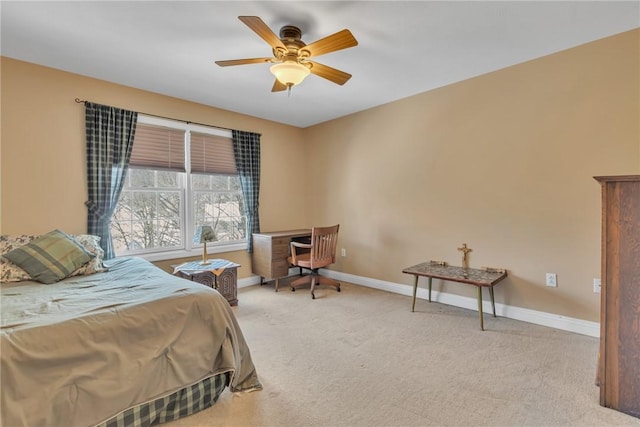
(84, 101)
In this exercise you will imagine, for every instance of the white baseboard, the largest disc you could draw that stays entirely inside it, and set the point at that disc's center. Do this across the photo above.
(556, 321)
(248, 281)
(542, 318)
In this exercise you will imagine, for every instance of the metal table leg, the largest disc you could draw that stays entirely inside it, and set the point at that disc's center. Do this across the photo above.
(415, 290)
(480, 307)
(493, 303)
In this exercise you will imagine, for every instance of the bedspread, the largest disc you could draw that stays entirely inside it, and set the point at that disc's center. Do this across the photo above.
(79, 351)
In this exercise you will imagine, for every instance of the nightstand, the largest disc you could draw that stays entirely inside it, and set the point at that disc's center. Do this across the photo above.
(219, 274)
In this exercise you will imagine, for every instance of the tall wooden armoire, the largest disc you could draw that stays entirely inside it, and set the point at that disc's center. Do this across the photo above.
(619, 361)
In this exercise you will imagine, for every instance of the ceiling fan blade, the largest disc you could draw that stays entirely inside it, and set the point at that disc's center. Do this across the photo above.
(278, 86)
(230, 62)
(261, 29)
(340, 40)
(324, 71)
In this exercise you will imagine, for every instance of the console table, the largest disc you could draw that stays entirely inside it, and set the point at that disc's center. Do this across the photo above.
(471, 276)
(219, 274)
(270, 252)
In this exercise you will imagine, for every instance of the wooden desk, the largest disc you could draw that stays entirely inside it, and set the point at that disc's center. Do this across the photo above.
(270, 252)
(470, 276)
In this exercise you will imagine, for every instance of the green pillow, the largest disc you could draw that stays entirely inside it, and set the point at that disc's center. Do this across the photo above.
(51, 257)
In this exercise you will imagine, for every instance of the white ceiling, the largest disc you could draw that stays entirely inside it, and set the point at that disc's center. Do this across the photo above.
(405, 47)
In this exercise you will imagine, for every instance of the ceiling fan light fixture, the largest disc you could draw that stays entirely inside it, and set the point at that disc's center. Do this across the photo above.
(290, 73)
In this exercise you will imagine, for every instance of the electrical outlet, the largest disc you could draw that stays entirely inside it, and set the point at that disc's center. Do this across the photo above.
(552, 280)
(343, 252)
(597, 286)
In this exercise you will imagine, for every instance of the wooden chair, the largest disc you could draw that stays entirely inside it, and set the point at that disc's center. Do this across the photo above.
(313, 256)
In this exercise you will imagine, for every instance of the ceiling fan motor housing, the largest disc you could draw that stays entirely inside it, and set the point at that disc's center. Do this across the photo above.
(289, 32)
(290, 37)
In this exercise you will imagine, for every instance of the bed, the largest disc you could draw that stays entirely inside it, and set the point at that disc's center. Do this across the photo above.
(132, 345)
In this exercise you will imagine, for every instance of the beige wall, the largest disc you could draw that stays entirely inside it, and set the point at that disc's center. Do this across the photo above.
(44, 182)
(503, 162)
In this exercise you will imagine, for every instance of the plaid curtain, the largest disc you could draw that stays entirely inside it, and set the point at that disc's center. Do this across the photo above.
(110, 134)
(246, 149)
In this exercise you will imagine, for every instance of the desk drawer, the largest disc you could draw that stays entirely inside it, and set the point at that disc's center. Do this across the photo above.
(279, 268)
(280, 241)
(280, 251)
(280, 247)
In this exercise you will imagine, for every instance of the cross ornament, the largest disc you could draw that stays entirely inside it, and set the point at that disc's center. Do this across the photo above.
(465, 250)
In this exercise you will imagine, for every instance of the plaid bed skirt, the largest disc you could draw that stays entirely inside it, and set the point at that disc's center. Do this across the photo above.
(181, 403)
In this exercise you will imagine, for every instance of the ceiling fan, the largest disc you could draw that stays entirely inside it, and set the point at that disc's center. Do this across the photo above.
(291, 56)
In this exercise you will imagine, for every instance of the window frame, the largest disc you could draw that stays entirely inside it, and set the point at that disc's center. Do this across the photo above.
(189, 248)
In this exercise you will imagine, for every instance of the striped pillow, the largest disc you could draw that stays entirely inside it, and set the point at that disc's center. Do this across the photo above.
(51, 257)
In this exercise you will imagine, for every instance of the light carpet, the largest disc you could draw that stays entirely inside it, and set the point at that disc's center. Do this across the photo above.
(362, 358)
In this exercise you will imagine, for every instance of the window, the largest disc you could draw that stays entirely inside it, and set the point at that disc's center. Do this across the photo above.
(180, 176)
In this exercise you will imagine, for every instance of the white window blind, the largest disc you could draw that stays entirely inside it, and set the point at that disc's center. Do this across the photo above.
(212, 154)
(158, 147)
